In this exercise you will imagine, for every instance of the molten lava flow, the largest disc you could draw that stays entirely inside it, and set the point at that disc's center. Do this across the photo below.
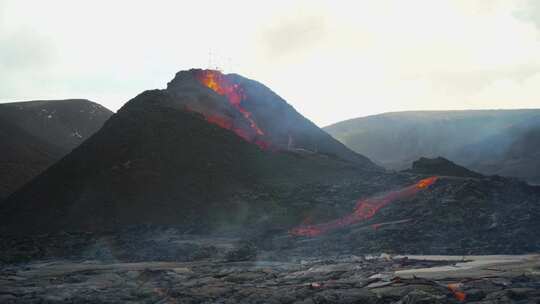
(364, 209)
(234, 93)
(426, 182)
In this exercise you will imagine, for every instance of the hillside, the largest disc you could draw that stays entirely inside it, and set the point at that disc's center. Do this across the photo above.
(35, 134)
(488, 141)
(158, 161)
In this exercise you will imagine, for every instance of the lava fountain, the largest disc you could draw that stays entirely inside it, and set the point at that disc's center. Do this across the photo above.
(364, 209)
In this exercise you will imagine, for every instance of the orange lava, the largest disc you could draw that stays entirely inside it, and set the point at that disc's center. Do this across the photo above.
(426, 182)
(459, 295)
(235, 94)
(364, 210)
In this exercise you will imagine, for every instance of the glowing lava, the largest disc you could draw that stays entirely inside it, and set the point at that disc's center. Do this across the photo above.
(364, 209)
(235, 94)
(458, 294)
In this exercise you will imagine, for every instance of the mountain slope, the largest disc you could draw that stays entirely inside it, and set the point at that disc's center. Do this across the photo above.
(158, 161)
(35, 134)
(482, 140)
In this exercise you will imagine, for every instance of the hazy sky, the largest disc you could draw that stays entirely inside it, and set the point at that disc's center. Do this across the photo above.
(331, 60)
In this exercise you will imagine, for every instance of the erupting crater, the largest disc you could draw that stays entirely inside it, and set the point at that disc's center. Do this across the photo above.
(364, 209)
(255, 113)
(235, 94)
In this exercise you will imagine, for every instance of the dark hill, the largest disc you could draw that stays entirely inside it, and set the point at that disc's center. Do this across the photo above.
(159, 162)
(35, 134)
(441, 166)
(487, 141)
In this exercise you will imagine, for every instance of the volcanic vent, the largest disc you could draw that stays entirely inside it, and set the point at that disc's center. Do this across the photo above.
(255, 113)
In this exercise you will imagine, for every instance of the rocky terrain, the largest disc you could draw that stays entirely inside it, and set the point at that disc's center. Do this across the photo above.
(502, 142)
(35, 134)
(223, 269)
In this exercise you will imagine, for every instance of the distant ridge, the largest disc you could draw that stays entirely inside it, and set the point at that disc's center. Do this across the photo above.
(35, 134)
(487, 141)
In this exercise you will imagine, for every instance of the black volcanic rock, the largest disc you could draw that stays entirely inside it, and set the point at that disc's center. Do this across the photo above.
(492, 215)
(441, 166)
(156, 162)
(35, 134)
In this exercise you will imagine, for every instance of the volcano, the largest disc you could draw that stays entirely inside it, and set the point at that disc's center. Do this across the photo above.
(189, 155)
(215, 153)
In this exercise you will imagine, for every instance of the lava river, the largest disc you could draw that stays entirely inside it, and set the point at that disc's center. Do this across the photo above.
(364, 209)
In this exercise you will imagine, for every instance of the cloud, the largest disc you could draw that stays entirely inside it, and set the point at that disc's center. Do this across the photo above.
(529, 10)
(501, 92)
(24, 49)
(293, 35)
(25, 62)
(330, 60)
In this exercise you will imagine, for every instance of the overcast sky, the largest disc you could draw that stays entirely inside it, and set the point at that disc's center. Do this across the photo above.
(331, 60)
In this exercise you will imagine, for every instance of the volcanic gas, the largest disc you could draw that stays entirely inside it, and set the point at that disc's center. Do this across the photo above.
(236, 96)
(364, 209)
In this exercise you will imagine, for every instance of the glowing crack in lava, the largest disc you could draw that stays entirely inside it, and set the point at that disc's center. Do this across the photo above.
(235, 94)
(364, 209)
